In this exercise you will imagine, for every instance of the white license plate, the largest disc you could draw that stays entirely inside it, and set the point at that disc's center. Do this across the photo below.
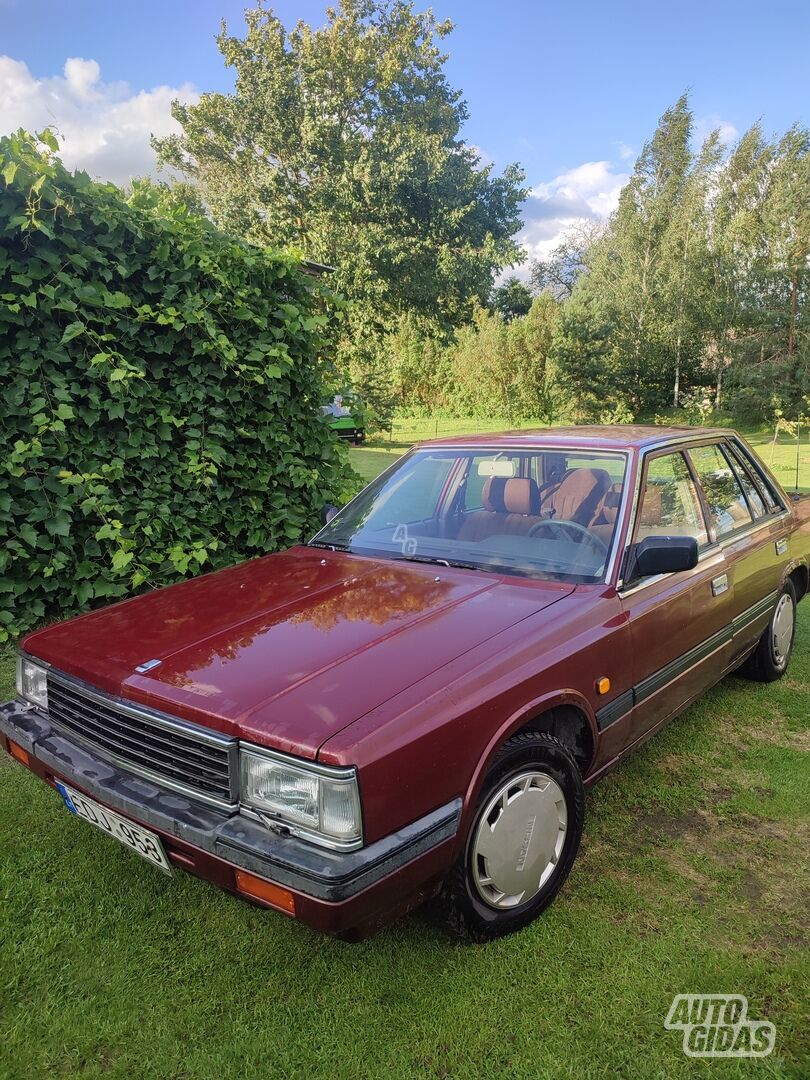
(140, 840)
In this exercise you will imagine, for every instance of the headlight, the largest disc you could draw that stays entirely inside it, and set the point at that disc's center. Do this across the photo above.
(32, 682)
(316, 801)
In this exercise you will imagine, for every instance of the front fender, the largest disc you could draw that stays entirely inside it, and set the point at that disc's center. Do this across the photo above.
(517, 720)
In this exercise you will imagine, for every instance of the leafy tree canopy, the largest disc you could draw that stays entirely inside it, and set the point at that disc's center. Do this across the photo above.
(512, 298)
(343, 142)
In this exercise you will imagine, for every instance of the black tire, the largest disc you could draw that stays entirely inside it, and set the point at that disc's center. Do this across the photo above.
(460, 903)
(767, 662)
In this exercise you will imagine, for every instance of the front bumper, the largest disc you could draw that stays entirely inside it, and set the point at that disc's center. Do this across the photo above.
(348, 893)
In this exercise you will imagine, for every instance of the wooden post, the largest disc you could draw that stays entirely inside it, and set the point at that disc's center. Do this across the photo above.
(798, 446)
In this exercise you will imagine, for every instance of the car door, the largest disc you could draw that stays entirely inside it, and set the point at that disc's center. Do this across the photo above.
(678, 622)
(749, 534)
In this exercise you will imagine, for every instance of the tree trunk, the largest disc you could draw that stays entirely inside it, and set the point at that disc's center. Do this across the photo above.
(676, 393)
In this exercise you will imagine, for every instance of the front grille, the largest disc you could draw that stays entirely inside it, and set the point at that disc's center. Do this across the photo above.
(182, 756)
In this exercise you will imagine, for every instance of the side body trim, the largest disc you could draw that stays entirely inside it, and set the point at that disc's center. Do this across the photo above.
(624, 703)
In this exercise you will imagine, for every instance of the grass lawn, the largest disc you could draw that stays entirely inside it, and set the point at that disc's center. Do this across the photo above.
(693, 877)
(404, 433)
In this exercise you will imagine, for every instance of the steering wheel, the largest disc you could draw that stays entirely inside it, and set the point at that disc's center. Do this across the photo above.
(595, 541)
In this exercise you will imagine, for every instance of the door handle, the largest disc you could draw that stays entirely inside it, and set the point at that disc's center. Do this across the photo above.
(720, 585)
(781, 547)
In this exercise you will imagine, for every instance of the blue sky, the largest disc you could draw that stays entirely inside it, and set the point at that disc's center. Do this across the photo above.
(571, 90)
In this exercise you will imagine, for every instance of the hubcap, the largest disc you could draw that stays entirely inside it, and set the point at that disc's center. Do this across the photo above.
(519, 839)
(783, 629)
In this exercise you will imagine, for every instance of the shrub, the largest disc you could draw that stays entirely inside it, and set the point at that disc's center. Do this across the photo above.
(161, 390)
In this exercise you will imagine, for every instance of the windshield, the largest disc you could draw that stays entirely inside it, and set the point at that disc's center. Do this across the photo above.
(546, 513)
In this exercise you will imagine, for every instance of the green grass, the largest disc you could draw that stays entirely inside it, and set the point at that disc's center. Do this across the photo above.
(692, 878)
(405, 432)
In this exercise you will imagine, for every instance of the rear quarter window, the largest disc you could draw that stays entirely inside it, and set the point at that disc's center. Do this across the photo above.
(773, 500)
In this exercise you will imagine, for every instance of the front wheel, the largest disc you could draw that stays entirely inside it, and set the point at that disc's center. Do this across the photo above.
(523, 839)
(769, 660)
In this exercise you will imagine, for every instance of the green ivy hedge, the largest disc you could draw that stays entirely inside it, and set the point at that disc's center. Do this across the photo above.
(160, 390)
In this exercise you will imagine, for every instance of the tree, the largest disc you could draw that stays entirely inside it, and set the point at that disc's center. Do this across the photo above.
(632, 324)
(762, 260)
(685, 272)
(418, 365)
(558, 274)
(784, 272)
(511, 298)
(735, 206)
(502, 368)
(343, 143)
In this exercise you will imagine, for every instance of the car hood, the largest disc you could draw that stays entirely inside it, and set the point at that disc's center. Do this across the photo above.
(290, 648)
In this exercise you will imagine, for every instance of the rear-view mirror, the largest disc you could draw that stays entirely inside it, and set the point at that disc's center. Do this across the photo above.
(327, 513)
(496, 467)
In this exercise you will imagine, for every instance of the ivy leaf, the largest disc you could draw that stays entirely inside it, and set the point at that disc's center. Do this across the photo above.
(72, 331)
(121, 559)
(47, 136)
(164, 470)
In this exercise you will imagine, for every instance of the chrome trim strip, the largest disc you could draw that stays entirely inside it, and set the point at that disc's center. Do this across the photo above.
(524, 448)
(143, 712)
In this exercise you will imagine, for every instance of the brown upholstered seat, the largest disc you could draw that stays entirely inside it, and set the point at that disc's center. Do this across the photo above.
(510, 505)
(604, 519)
(577, 496)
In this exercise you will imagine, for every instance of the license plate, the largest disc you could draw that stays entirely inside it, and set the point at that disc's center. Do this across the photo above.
(144, 843)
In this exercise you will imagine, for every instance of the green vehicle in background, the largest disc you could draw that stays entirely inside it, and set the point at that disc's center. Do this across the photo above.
(347, 422)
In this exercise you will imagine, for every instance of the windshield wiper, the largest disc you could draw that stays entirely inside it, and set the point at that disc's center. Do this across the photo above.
(436, 560)
(333, 546)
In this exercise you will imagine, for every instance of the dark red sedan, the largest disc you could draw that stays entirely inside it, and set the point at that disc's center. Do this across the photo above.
(411, 705)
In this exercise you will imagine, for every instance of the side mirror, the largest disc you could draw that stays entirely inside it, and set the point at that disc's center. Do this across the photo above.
(327, 513)
(664, 555)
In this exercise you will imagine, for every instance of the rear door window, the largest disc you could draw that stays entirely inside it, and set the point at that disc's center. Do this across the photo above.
(725, 499)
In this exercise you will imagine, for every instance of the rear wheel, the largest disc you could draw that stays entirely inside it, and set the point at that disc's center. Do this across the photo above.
(522, 842)
(769, 660)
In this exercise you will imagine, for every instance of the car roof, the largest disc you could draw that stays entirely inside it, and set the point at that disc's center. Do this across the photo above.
(594, 436)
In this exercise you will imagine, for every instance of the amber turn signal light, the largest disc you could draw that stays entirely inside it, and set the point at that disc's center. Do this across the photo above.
(18, 753)
(259, 889)
(603, 685)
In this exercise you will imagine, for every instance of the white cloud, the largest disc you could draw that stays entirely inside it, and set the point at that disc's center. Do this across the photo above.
(626, 152)
(590, 192)
(104, 128)
(705, 125)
